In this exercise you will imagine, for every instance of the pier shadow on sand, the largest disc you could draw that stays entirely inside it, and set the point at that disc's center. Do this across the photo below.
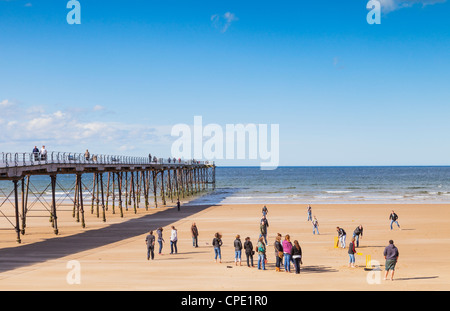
(58, 247)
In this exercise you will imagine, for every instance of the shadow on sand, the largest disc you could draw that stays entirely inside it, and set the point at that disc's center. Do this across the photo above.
(29, 254)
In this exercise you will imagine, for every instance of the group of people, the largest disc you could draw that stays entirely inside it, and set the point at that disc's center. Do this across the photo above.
(285, 251)
(40, 155)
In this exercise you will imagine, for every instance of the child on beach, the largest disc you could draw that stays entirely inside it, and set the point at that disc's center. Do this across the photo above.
(248, 246)
(287, 247)
(217, 243)
(237, 250)
(351, 253)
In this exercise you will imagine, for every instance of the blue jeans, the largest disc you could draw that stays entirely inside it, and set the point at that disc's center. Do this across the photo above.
(237, 255)
(342, 240)
(309, 216)
(265, 237)
(261, 262)
(160, 246)
(150, 252)
(194, 241)
(356, 236)
(314, 229)
(396, 221)
(173, 244)
(352, 258)
(287, 262)
(217, 253)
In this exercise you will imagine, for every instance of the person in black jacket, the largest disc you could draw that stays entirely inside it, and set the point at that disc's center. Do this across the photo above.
(248, 247)
(394, 218)
(278, 252)
(342, 236)
(296, 255)
(217, 243)
(237, 250)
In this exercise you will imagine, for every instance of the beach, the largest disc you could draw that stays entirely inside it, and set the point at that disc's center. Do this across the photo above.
(111, 255)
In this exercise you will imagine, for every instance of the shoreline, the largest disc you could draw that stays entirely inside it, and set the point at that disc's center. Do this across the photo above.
(112, 255)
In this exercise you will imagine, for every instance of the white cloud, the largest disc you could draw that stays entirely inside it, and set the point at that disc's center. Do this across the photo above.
(392, 5)
(223, 22)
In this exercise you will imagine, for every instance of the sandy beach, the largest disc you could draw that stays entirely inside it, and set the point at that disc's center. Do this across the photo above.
(112, 255)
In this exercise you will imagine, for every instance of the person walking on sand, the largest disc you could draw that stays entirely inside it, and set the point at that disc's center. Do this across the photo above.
(263, 228)
(217, 243)
(265, 210)
(261, 254)
(173, 240)
(393, 217)
(160, 239)
(150, 241)
(309, 210)
(194, 231)
(351, 253)
(278, 252)
(287, 247)
(296, 253)
(391, 255)
(315, 224)
(342, 235)
(357, 234)
(237, 250)
(248, 247)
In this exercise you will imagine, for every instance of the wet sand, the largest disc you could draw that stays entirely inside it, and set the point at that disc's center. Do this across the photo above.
(112, 254)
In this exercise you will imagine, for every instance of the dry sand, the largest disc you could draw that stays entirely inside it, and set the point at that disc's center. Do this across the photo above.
(112, 255)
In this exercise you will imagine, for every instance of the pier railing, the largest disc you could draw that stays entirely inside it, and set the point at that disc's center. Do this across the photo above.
(18, 159)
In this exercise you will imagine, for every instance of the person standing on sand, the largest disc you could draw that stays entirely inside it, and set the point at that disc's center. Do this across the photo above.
(237, 250)
(278, 252)
(351, 253)
(150, 241)
(296, 253)
(194, 231)
(391, 255)
(160, 239)
(393, 217)
(261, 254)
(248, 246)
(315, 224)
(265, 210)
(309, 209)
(217, 243)
(357, 233)
(287, 247)
(263, 228)
(173, 240)
(342, 236)
(178, 205)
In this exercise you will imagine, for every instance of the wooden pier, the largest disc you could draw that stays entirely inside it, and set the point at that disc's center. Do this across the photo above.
(101, 183)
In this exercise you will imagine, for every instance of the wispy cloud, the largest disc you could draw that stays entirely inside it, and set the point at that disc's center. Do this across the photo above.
(223, 22)
(393, 5)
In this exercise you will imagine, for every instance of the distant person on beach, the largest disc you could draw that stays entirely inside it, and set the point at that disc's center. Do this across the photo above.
(160, 239)
(43, 153)
(194, 231)
(87, 155)
(150, 157)
(296, 253)
(150, 241)
(265, 210)
(261, 254)
(217, 243)
(237, 250)
(351, 253)
(315, 224)
(357, 234)
(173, 240)
(263, 228)
(391, 255)
(178, 205)
(249, 252)
(36, 153)
(287, 247)
(393, 217)
(278, 252)
(309, 210)
(342, 235)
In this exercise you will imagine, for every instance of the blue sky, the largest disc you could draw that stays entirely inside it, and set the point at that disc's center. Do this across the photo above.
(342, 91)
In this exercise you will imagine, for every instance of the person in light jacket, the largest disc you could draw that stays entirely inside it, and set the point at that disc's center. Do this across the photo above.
(173, 240)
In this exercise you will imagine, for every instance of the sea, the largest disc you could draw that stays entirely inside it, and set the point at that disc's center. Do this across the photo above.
(297, 185)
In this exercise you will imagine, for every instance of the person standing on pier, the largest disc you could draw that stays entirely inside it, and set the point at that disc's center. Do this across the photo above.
(150, 241)
(43, 153)
(87, 155)
(36, 153)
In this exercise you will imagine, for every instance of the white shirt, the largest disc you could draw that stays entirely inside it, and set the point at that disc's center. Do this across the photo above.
(173, 236)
